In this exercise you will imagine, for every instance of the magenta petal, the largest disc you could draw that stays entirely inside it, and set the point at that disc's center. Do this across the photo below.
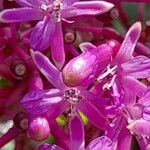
(100, 143)
(140, 127)
(97, 101)
(32, 3)
(146, 113)
(131, 83)
(77, 137)
(124, 139)
(49, 147)
(69, 2)
(20, 15)
(145, 99)
(40, 101)
(126, 50)
(93, 113)
(86, 46)
(61, 138)
(57, 46)
(42, 34)
(86, 8)
(138, 67)
(52, 74)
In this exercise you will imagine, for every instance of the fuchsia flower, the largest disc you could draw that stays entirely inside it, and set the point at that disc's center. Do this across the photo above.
(126, 68)
(98, 100)
(125, 72)
(54, 101)
(51, 12)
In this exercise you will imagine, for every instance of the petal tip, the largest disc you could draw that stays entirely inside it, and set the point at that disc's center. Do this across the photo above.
(137, 26)
(1, 17)
(108, 5)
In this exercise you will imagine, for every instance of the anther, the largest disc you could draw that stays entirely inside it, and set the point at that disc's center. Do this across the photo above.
(18, 68)
(21, 121)
(73, 96)
(70, 37)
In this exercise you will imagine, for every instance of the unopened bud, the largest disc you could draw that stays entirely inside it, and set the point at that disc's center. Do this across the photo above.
(39, 129)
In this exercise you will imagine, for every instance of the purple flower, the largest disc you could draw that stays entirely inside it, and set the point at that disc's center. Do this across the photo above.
(77, 139)
(55, 101)
(51, 12)
(125, 68)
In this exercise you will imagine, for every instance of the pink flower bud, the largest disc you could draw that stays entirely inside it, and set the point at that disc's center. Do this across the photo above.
(39, 129)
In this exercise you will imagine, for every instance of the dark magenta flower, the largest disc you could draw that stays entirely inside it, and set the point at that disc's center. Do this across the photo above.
(55, 101)
(51, 12)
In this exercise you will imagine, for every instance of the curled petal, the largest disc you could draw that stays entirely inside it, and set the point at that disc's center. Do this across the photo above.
(52, 74)
(20, 15)
(126, 50)
(86, 8)
(138, 67)
(57, 46)
(42, 34)
(140, 127)
(131, 83)
(100, 143)
(77, 137)
(146, 113)
(145, 99)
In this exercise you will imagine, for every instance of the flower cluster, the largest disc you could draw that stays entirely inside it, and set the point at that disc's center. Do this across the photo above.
(69, 80)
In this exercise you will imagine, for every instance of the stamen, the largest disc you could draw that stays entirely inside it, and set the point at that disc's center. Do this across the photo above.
(73, 96)
(70, 37)
(105, 74)
(110, 84)
(44, 7)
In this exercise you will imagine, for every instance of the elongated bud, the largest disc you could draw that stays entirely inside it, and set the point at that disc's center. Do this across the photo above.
(21, 121)
(18, 68)
(87, 65)
(39, 129)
